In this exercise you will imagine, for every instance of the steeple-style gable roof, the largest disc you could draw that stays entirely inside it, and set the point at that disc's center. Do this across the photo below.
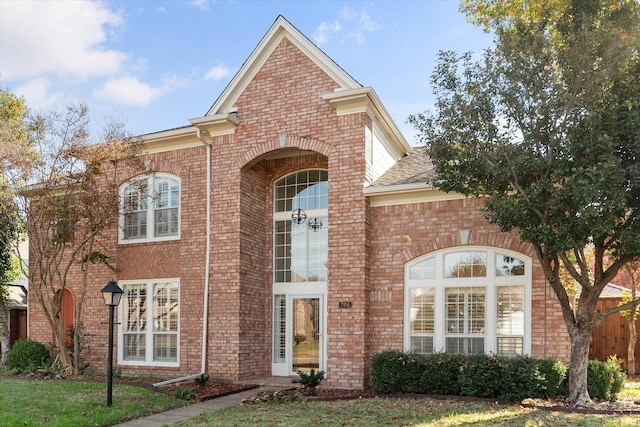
(280, 29)
(348, 97)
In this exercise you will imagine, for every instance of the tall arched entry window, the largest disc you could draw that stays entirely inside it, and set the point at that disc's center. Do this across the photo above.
(300, 247)
(469, 300)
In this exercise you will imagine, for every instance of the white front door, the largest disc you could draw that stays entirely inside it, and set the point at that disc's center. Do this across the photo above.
(298, 334)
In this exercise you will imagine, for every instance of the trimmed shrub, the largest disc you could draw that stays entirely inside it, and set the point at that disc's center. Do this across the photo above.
(520, 378)
(481, 375)
(440, 375)
(27, 356)
(396, 372)
(604, 379)
(551, 376)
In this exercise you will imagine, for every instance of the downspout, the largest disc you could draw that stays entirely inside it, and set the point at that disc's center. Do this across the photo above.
(207, 267)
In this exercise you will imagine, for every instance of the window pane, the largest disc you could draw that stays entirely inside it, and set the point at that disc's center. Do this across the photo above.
(303, 190)
(318, 241)
(134, 207)
(422, 345)
(134, 347)
(135, 225)
(165, 347)
(509, 266)
(423, 270)
(510, 310)
(279, 328)
(134, 305)
(462, 345)
(165, 324)
(465, 310)
(510, 346)
(166, 200)
(465, 264)
(165, 307)
(422, 311)
(166, 222)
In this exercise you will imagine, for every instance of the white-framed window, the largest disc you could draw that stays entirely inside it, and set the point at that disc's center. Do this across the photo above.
(469, 300)
(301, 244)
(150, 209)
(149, 322)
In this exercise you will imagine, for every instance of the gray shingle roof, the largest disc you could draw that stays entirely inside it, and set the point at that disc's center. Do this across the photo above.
(411, 169)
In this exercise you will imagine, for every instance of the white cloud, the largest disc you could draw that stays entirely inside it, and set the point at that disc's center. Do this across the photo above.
(200, 4)
(324, 30)
(131, 91)
(66, 38)
(355, 24)
(218, 72)
(36, 94)
(359, 23)
(362, 19)
(128, 90)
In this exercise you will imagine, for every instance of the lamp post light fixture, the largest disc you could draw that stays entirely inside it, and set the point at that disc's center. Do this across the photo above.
(112, 295)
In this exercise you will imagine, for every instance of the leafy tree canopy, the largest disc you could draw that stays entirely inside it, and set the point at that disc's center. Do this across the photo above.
(546, 124)
(546, 127)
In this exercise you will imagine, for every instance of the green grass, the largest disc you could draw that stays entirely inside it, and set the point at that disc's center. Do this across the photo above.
(631, 388)
(400, 412)
(51, 403)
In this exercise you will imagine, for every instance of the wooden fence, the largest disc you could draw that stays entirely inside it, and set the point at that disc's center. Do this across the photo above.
(612, 336)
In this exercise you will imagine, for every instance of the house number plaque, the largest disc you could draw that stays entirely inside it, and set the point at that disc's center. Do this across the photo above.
(344, 304)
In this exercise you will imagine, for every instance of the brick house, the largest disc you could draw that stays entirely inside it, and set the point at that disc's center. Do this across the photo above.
(293, 227)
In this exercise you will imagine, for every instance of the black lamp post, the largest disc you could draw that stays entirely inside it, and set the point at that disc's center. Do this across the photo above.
(112, 295)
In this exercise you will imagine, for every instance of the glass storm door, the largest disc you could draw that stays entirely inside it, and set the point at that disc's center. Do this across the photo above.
(298, 328)
(305, 344)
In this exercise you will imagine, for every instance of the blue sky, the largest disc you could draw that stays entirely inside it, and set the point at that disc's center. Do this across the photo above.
(157, 64)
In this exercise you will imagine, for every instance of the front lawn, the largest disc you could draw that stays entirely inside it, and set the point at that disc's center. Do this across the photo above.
(421, 412)
(50, 403)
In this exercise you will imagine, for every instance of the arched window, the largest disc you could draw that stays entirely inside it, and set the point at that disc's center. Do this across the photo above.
(469, 300)
(150, 209)
(300, 226)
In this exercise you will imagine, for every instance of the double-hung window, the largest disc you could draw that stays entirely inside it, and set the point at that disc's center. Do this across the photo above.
(150, 209)
(149, 323)
(470, 300)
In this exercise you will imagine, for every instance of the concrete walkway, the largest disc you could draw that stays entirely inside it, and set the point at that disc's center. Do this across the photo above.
(189, 411)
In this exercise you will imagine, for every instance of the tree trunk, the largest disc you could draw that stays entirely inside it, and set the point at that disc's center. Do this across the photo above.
(631, 350)
(63, 353)
(580, 341)
(4, 333)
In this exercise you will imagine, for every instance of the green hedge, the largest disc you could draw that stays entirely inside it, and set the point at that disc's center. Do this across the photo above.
(482, 375)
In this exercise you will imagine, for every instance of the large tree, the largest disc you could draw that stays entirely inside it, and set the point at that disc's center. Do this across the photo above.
(546, 127)
(16, 155)
(67, 200)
